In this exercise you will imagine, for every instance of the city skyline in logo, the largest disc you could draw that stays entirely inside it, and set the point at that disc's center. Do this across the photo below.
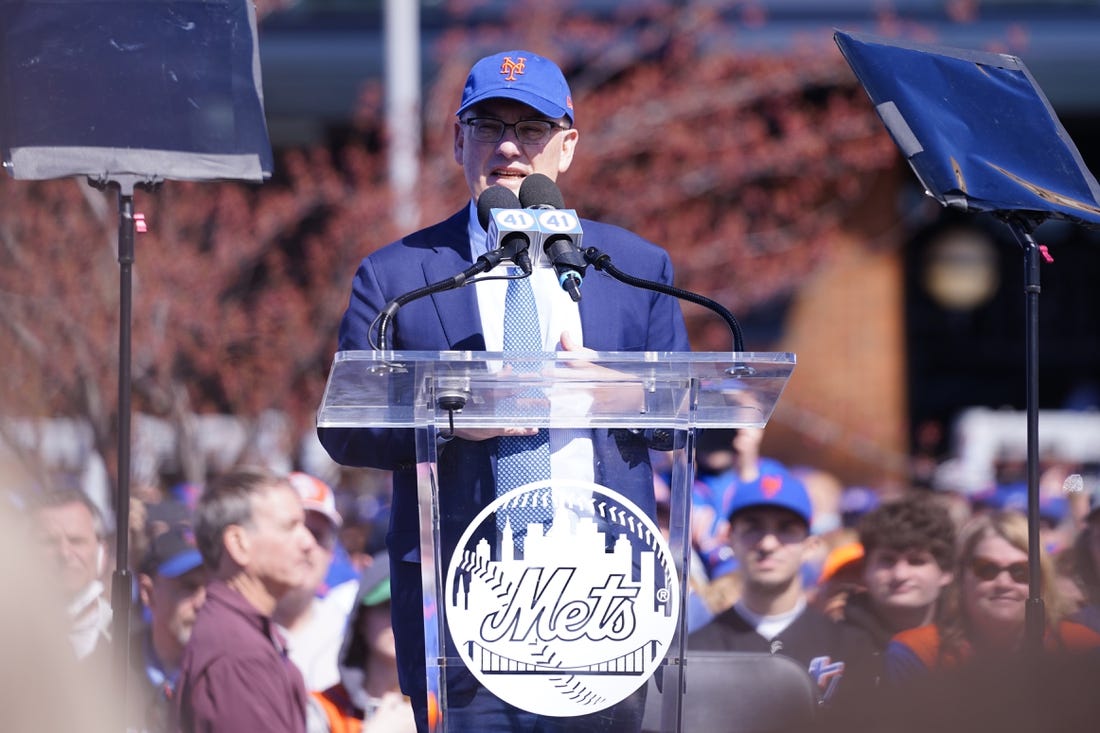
(582, 609)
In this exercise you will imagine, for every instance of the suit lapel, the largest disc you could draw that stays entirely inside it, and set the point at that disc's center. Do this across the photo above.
(458, 309)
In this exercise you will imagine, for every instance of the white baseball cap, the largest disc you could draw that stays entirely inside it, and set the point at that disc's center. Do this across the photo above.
(317, 496)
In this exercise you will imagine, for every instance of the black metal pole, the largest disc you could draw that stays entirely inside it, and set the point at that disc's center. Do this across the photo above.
(122, 584)
(1035, 618)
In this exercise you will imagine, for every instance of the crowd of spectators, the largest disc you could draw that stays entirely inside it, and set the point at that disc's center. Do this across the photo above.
(251, 610)
(934, 581)
(892, 602)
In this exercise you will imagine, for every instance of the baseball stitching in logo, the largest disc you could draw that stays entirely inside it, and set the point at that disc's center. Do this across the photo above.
(565, 619)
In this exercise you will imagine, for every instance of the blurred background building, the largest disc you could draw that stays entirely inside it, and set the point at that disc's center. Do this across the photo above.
(730, 131)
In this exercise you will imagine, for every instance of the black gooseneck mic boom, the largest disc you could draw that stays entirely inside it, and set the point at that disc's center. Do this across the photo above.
(602, 262)
(513, 245)
(538, 191)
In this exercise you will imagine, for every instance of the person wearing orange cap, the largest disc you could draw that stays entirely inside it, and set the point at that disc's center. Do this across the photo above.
(313, 626)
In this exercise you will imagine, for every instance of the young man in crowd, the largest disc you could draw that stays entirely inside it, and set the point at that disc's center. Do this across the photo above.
(908, 559)
(770, 536)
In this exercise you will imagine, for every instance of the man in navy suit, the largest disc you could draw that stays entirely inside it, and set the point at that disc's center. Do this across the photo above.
(515, 119)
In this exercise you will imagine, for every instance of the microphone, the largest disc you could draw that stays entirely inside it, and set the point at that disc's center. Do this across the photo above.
(510, 231)
(561, 230)
(510, 228)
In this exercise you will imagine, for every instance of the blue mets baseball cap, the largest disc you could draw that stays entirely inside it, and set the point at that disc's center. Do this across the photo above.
(780, 489)
(520, 75)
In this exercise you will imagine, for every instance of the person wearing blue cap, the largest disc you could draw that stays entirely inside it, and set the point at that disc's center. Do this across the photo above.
(516, 118)
(172, 587)
(770, 537)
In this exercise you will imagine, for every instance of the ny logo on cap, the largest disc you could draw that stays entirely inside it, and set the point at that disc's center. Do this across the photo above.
(509, 68)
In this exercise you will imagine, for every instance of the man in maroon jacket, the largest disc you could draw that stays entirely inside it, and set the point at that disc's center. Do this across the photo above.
(236, 675)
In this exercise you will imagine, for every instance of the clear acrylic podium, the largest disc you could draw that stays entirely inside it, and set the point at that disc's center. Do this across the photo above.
(576, 614)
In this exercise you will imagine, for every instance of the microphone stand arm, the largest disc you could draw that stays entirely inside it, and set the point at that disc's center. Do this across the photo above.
(602, 262)
(483, 264)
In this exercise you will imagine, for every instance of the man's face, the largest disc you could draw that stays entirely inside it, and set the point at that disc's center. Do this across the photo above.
(320, 555)
(377, 629)
(175, 602)
(770, 543)
(903, 580)
(67, 532)
(280, 543)
(508, 162)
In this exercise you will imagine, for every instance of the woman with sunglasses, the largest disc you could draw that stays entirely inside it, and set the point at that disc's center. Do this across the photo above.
(982, 616)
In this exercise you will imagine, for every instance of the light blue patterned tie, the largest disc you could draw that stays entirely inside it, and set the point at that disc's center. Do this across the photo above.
(523, 459)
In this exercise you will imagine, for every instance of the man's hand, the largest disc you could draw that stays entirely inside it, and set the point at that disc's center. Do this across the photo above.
(614, 397)
(477, 434)
(625, 398)
(568, 343)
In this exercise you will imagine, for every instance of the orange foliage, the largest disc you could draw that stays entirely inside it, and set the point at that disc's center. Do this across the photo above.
(741, 165)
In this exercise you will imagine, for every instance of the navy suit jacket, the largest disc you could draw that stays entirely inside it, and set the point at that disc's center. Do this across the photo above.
(614, 317)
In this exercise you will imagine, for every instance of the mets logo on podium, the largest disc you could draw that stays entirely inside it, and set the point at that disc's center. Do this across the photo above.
(570, 613)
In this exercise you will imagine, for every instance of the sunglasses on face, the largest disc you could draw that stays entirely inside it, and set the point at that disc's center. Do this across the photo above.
(988, 570)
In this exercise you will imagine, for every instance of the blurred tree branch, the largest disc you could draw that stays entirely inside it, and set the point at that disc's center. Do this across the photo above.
(742, 166)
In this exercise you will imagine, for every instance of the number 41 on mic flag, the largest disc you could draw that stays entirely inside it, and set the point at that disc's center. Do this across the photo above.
(559, 223)
(506, 221)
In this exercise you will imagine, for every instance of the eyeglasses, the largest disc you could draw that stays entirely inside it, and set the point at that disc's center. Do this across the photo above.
(988, 570)
(528, 132)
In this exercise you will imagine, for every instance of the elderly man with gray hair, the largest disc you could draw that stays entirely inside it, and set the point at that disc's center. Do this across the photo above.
(236, 675)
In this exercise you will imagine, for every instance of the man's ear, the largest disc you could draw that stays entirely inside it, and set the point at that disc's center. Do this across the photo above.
(145, 590)
(812, 545)
(568, 147)
(459, 142)
(237, 544)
